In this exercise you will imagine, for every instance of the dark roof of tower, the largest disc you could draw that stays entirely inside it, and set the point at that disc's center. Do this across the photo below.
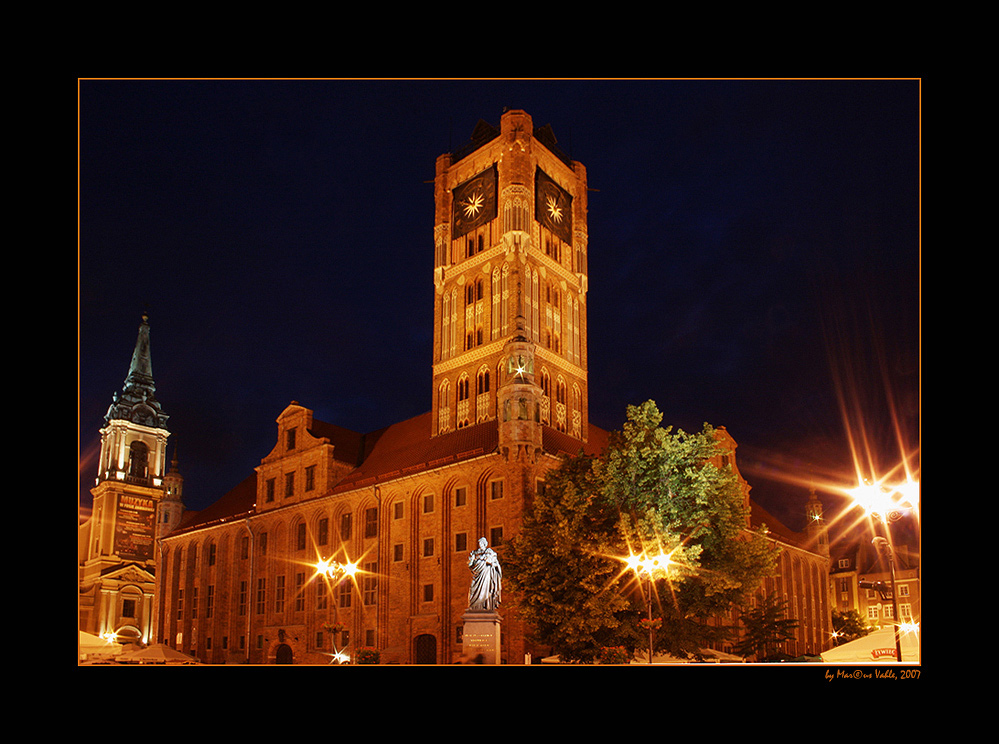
(137, 401)
(485, 132)
(546, 136)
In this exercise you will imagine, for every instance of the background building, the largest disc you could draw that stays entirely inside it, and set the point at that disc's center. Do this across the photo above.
(857, 560)
(801, 579)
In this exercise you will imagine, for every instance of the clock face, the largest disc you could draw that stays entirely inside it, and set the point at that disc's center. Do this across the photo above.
(553, 206)
(473, 202)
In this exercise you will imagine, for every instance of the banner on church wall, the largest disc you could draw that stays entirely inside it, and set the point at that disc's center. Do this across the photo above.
(135, 526)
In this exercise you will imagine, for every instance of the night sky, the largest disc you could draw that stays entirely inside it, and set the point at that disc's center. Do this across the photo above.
(753, 250)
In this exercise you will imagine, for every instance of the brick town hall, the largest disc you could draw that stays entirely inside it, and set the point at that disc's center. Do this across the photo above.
(237, 581)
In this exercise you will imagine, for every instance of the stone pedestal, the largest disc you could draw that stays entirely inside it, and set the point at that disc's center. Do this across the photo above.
(481, 637)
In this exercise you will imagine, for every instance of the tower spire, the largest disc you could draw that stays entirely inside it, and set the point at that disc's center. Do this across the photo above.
(137, 400)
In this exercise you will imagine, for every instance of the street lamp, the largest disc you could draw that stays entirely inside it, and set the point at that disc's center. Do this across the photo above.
(334, 572)
(650, 568)
(886, 503)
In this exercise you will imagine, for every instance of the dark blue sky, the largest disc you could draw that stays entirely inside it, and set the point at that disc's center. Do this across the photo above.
(750, 243)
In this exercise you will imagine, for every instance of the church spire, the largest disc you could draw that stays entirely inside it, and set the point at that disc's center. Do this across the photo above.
(137, 400)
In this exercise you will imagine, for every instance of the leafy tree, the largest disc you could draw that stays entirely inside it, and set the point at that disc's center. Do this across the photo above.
(557, 561)
(653, 490)
(848, 626)
(766, 628)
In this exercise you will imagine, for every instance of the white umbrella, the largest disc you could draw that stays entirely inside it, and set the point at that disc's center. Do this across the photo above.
(878, 646)
(92, 645)
(158, 653)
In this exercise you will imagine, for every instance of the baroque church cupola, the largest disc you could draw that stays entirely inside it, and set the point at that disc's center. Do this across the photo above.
(117, 544)
(133, 441)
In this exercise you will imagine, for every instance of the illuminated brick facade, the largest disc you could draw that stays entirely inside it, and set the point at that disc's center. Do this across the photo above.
(509, 398)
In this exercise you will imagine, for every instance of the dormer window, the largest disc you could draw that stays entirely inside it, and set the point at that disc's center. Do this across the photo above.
(290, 436)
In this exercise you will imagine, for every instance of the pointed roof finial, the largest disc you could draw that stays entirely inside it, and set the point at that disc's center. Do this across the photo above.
(137, 400)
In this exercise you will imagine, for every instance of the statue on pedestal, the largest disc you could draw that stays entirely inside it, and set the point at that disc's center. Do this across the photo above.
(487, 577)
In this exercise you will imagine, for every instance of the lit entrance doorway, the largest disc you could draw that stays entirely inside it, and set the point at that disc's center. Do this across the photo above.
(426, 649)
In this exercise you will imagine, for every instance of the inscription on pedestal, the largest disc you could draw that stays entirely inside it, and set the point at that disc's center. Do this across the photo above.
(481, 638)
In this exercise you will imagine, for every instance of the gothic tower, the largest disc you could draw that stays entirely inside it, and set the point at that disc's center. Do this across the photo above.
(510, 284)
(118, 543)
(817, 530)
(171, 506)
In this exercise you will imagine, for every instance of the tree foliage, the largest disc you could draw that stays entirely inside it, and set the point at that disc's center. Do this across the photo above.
(653, 489)
(848, 626)
(766, 628)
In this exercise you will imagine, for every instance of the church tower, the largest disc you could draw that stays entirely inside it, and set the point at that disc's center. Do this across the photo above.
(818, 532)
(171, 506)
(118, 542)
(510, 283)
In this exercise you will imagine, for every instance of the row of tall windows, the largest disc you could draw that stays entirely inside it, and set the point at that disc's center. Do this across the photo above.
(558, 408)
(467, 409)
(552, 317)
(288, 484)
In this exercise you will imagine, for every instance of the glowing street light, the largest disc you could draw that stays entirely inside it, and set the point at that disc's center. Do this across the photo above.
(650, 568)
(885, 503)
(334, 572)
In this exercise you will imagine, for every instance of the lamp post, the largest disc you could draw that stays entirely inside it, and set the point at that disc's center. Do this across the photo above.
(650, 568)
(886, 504)
(333, 572)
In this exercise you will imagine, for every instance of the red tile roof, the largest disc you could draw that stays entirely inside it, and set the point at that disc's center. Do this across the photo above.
(235, 504)
(759, 516)
(397, 450)
(408, 447)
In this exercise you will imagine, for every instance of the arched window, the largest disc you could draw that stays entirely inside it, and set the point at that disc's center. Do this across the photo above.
(138, 460)
(446, 326)
(546, 400)
(443, 406)
(553, 318)
(496, 296)
(474, 293)
(463, 403)
(482, 394)
(560, 407)
(577, 411)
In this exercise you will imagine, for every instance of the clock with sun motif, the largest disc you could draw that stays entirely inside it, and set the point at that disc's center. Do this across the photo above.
(553, 206)
(473, 202)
